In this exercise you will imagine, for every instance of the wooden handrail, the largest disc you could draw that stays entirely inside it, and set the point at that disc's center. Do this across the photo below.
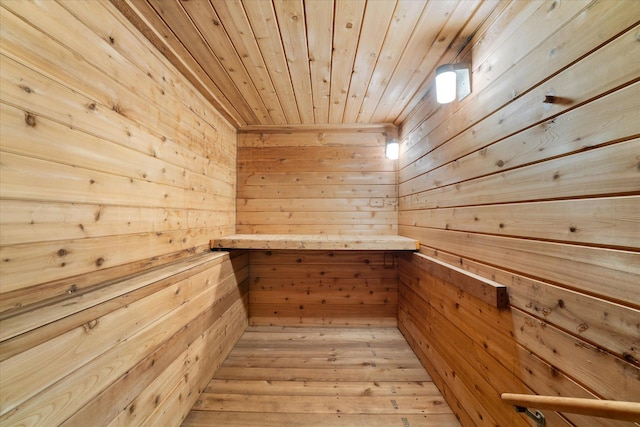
(617, 410)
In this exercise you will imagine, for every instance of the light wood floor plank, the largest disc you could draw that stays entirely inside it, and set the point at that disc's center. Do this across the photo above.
(306, 376)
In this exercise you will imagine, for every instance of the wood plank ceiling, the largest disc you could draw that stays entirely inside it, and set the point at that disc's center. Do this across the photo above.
(314, 62)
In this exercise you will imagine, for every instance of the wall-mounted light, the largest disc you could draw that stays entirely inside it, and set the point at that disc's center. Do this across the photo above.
(452, 78)
(392, 149)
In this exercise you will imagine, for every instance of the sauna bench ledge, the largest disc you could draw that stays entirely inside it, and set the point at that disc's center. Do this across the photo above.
(316, 242)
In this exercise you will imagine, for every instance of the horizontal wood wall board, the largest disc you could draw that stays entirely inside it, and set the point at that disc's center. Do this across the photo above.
(585, 269)
(358, 134)
(477, 410)
(42, 97)
(500, 25)
(319, 191)
(379, 315)
(595, 320)
(375, 284)
(55, 53)
(128, 389)
(317, 257)
(111, 362)
(219, 340)
(364, 229)
(51, 141)
(496, 111)
(591, 365)
(304, 204)
(607, 222)
(108, 331)
(323, 271)
(317, 218)
(63, 259)
(337, 297)
(568, 133)
(485, 375)
(439, 368)
(579, 175)
(137, 49)
(16, 323)
(473, 323)
(493, 293)
(316, 178)
(499, 369)
(37, 221)
(476, 318)
(27, 178)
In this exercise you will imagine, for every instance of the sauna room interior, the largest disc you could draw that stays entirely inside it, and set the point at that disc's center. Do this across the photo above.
(202, 223)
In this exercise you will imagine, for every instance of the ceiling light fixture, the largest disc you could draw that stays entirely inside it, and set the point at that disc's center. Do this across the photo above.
(452, 78)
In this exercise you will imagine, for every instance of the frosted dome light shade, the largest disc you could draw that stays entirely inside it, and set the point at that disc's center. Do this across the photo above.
(446, 87)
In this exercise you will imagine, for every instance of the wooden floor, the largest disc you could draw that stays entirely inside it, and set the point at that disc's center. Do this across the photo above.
(321, 377)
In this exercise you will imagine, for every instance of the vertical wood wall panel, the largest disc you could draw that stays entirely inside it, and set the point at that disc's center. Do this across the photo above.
(540, 197)
(114, 174)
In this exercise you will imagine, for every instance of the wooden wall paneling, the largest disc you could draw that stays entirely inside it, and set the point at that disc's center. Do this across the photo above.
(207, 355)
(180, 23)
(402, 24)
(354, 288)
(202, 15)
(414, 327)
(524, 369)
(113, 167)
(475, 319)
(320, 44)
(140, 14)
(582, 268)
(377, 15)
(529, 106)
(315, 182)
(139, 382)
(596, 320)
(108, 347)
(192, 127)
(399, 87)
(565, 177)
(459, 47)
(568, 133)
(605, 222)
(292, 25)
(16, 369)
(347, 23)
(264, 23)
(247, 48)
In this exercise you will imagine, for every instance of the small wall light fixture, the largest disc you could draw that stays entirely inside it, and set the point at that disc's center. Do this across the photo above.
(392, 149)
(452, 78)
